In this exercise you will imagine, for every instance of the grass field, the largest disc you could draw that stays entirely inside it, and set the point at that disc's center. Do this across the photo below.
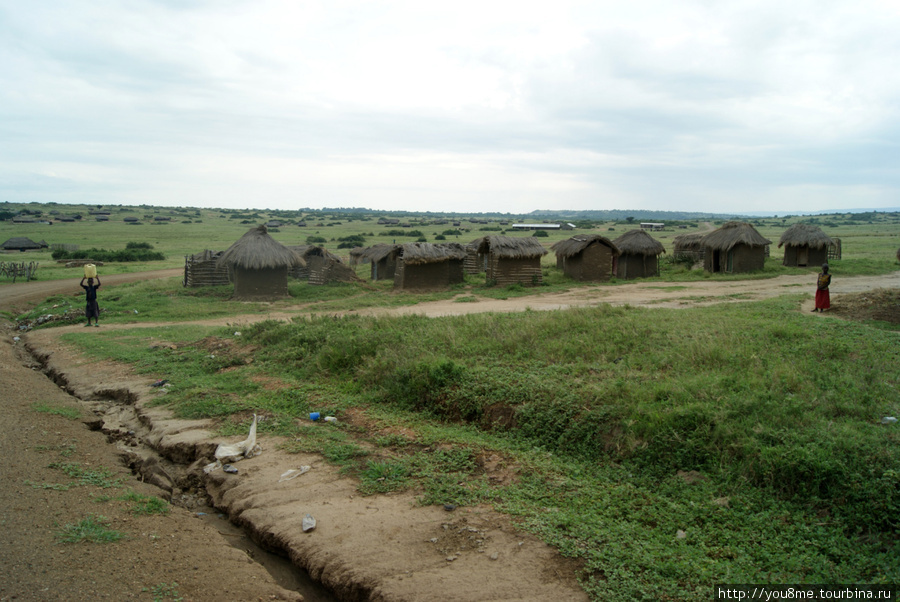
(668, 450)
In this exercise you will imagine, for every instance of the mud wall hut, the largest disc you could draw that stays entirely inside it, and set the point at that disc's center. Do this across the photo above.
(512, 260)
(475, 262)
(688, 246)
(383, 258)
(322, 266)
(203, 269)
(21, 243)
(426, 266)
(586, 257)
(735, 247)
(639, 255)
(805, 245)
(259, 265)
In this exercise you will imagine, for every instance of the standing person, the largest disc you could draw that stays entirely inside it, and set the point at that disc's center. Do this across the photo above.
(92, 309)
(823, 297)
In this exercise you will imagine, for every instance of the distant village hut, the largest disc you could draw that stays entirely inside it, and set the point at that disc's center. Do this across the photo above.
(639, 256)
(512, 260)
(21, 243)
(805, 245)
(426, 266)
(586, 257)
(735, 247)
(383, 258)
(321, 266)
(259, 265)
(688, 246)
(203, 269)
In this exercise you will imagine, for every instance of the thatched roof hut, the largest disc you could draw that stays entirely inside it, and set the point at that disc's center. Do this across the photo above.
(321, 266)
(804, 245)
(383, 258)
(688, 246)
(588, 257)
(475, 262)
(735, 247)
(512, 260)
(422, 265)
(21, 243)
(260, 265)
(639, 255)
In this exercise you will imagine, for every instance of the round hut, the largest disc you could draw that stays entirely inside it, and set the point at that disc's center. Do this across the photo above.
(805, 245)
(735, 247)
(688, 246)
(639, 256)
(426, 266)
(512, 260)
(259, 265)
(586, 257)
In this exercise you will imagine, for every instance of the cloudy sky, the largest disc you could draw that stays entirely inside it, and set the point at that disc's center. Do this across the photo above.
(511, 106)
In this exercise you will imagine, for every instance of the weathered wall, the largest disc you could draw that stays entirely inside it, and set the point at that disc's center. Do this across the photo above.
(510, 271)
(260, 284)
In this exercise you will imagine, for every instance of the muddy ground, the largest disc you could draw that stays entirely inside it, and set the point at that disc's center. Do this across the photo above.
(363, 548)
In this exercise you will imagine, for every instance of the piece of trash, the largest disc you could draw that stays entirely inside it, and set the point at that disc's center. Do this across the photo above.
(294, 473)
(449, 507)
(679, 534)
(885, 420)
(229, 469)
(16, 339)
(330, 419)
(309, 523)
(201, 513)
(313, 416)
(135, 311)
(248, 448)
(159, 383)
(237, 333)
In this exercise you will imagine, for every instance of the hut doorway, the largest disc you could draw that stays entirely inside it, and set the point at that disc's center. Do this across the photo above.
(729, 261)
(803, 256)
(716, 261)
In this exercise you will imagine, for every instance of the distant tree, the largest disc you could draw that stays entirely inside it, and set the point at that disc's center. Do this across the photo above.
(629, 219)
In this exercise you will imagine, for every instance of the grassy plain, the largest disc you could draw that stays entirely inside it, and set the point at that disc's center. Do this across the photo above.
(668, 450)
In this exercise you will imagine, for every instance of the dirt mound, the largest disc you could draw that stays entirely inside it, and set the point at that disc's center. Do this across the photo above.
(878, 304)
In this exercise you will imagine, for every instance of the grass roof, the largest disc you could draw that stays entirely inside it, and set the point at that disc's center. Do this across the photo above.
(579, 242)
(731, 234)
(418, 253)
(256, 250)
(805, 235)
(638, 242)
(508, 247)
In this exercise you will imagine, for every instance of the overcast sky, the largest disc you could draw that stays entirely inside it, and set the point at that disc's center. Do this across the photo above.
(472, 106)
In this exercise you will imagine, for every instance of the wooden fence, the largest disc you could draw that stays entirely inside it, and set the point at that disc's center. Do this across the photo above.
(18, 270)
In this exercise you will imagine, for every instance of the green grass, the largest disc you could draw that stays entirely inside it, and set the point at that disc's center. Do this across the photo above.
(93, 529)
(95, 477)
(56, 410)
(164, 592)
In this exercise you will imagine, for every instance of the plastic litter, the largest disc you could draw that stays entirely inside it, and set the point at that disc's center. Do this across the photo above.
(313, 416)
(309, 523)
(330, 419)
(237, 333)
(159, 383)
(294, 473)
(248, 448)
(229, 469)
(885, 420)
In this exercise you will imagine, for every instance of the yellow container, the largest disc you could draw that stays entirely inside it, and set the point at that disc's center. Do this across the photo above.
(90, 270)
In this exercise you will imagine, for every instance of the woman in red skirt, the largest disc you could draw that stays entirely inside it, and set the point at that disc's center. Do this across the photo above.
(823, 298)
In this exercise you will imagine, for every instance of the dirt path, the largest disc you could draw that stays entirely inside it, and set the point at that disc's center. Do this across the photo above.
(373, 548)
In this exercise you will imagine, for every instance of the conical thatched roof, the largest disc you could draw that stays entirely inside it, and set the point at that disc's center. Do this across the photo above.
(256, 250)
(305, 251)
(732, 234)
(417, 253)
(638, 242)
(507, 247)
(805, 235)
(21, 242)
(578, 243)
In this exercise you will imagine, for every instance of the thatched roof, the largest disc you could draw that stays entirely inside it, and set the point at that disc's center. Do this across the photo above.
(731, 234)
(638, 242)
(418, 253)
(577, 244)
(805, 235)
(305, 251)
(688, 241)
(21, 242)
(256, 250)
(205, 255)
(507, 247)
(376, 253)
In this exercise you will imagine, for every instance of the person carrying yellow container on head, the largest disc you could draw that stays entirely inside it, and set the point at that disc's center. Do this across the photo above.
(92, 309)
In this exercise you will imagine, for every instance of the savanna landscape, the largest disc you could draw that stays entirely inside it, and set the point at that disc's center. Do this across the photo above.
(623, 440)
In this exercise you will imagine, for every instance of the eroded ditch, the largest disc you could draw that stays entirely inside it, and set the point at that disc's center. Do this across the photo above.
(176, 470)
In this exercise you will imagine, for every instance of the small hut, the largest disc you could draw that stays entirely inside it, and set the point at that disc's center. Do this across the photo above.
(474, 263)
(512, 260)
(203, 269)
(586, 257)
(688, 246)
(426, 266)
(322, 266)
(259, 265)
(805, 245)
(639, 255)
(735, 247)
(21, 243)
(383, 258)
